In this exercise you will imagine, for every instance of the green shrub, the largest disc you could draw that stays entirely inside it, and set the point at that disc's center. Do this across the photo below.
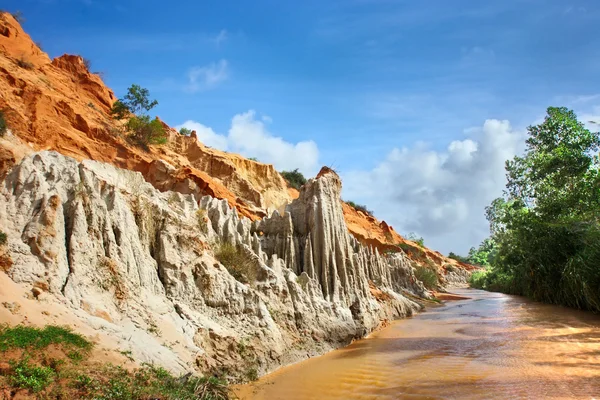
(294, 178)
(3, 238)
(24, 64)
(253, 159)
(185, 131)
(359, 207)
(458, 258)
(141, 128)
(417, 239)
(427, 276)
(27, 376)
(145, 131)
(24, 337)
(237, 262)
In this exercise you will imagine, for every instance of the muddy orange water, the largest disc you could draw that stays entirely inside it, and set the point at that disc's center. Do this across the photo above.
(492, 346)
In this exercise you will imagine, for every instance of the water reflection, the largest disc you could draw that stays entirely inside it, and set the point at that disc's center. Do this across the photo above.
(492, 346)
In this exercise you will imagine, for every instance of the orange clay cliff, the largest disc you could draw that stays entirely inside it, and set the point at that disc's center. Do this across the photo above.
(60, 105)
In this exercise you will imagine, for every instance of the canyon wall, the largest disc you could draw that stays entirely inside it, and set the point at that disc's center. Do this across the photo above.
(139, 265)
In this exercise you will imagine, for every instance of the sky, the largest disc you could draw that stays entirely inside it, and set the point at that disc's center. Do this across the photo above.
(416, 104)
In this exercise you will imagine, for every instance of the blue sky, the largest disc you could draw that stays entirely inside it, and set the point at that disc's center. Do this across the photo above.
(360, 80)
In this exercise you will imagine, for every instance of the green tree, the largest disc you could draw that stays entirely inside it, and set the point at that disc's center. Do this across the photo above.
(294, 178)
(185, 131)
(135, 106)
(547, 226)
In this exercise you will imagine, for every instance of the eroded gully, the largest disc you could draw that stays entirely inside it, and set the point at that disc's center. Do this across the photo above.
(491, 346)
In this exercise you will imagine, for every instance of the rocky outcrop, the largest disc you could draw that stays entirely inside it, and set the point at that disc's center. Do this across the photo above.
(139, 264)
(61, 105)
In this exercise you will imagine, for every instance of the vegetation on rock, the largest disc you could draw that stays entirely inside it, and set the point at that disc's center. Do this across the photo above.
(21, 62)
(294, 178)
(426, 275)
(139, 126)
(359, 207)
(237, 262)
(53, 363)
(547, 225)
(185, 131)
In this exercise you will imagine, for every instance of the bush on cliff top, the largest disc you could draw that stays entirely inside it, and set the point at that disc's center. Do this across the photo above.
(141, 128)
(294, 178)
(359, 207)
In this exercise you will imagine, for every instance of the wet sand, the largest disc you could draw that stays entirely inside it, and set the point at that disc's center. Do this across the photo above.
(490, 346)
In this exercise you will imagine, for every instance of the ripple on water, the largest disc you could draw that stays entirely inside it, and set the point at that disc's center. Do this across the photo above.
(491, 347)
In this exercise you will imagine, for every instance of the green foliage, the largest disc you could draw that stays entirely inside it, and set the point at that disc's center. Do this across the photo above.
(547, 226)
(359, 207)
(458, 257)
(27, 376)
(237, 262)
(483, 255)
(253, 159)
(427, 276)
(417, 239)
(185, 131)
(24, 64)
(136, 102)
(3, 238)
(145, 131)
(141, 128)
(23, 337)
(73, 379)
(149, 382)
(294, 178)
(3, 124)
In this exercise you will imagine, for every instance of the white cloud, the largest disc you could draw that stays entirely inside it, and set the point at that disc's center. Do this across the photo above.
(207, 77)
(440, 195)
(248, 136)
(220, 38)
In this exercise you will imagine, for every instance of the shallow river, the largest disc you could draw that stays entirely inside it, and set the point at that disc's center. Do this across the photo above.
(492, 346)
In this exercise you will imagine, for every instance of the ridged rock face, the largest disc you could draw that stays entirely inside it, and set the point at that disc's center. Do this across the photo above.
(138, 265)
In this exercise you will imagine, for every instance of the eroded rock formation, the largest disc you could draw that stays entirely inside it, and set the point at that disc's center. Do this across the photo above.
(139, 264)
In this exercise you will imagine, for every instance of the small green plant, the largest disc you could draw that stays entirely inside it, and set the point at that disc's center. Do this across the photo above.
(28, 376)
(237, 262)
(417, 239)
(185, 131)
(457, 257)
(427, 276)
(23, 337)
(294, 178)
(359, 207)
(24, 64)
(141, 128)
(75, 355)
(253, 159)
(3, 124)
(3, 238)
